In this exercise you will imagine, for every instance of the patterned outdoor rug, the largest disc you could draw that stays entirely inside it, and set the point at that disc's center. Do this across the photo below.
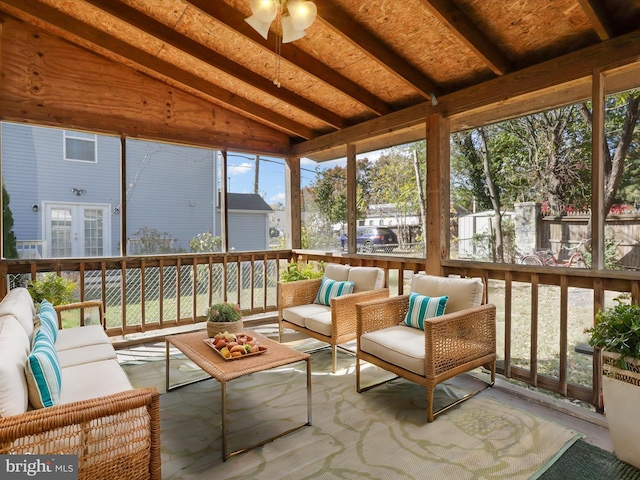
(378, 434)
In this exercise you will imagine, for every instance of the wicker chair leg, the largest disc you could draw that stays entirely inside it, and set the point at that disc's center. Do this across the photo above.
(357, 374)
(334, 358)
(430, 393)
(279, 332)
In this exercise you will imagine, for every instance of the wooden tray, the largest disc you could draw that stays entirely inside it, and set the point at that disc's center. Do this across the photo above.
(209, 342)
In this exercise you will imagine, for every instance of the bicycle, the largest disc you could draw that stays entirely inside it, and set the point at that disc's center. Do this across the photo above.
(548, 258)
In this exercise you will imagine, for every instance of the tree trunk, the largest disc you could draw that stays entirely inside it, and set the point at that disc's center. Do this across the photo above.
(493, 195)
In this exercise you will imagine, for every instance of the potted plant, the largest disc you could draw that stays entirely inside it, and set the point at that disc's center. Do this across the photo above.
(223, 317)
(295, 271)
(617, 333)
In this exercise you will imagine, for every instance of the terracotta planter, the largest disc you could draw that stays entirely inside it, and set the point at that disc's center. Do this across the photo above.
(621, 391)
(220, 327)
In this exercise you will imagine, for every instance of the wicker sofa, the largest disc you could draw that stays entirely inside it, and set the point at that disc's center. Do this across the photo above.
(113, 428)
(334, 324)
(461, 340)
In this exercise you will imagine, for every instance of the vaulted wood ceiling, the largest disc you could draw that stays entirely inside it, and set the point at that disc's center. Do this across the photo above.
(361, 60)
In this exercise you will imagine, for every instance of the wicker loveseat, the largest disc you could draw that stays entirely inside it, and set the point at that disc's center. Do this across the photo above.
(93, 413)
(299, 310)
(461, 340)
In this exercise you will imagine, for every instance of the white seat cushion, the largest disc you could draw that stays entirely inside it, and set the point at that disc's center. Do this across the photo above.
(77, 337)
(297, 314)
(337, 272)
(88, 354)
(463, 293)
(320, 322)
(14, 349)
(18, 303)
(399, 345)
(366, 278)
(92, 380)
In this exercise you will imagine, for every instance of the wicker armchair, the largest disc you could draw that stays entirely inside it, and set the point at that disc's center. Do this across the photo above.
(457, 342)
(335, 324)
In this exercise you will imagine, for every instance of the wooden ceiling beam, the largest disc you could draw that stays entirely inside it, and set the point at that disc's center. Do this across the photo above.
(594, 10)
(59, 20)
(343, 24)
(459, 24)
(234, 20)
(567, 68)
(165, 34)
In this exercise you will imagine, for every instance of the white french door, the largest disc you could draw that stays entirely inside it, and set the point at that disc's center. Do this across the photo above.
(77, 230)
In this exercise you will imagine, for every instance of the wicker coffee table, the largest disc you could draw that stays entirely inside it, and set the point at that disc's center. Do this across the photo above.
(277, 355)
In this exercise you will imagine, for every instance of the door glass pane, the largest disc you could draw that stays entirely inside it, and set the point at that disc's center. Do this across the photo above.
(93, 232)
(61, 232)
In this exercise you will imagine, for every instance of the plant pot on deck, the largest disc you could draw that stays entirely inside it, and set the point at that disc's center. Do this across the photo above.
(621, 391)
(221, 327)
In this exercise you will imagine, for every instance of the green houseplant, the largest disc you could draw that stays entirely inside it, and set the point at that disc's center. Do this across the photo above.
(224, 317)
(617, 334)
(295, 271)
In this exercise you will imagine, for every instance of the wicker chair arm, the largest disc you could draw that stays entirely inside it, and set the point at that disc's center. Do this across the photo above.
(457, 338)
(381, 313)
(343, 310)
(69, 429)
(301, 292)
(80, 306)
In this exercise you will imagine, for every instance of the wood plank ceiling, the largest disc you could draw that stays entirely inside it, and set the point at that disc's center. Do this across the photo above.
(360, 60)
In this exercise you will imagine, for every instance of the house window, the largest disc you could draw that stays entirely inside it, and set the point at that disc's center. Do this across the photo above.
(80, 147)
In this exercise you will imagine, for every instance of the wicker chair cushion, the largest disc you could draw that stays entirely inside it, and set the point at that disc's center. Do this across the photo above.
(43, 371)
(338, 272)
(19, 304)
(86, 381)
(320, 322)
(14, 345)
(298, 314)
(422, 307)
(399, 345)
(463, 292)
(81, 337)
(88, 354)
(366, 278)
(330, 289)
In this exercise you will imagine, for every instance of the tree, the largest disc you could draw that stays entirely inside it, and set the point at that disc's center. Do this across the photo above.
(9, 238)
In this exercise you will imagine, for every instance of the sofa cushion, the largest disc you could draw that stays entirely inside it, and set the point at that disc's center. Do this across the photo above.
(76, 337)
(14, 348)
(18, 303)
(463, 292)
(330, 289)
(49, 318)
(88, 354)
(320, 322)
(299, 313)
(43, 372)
(82, 382)
(399, 345)
(338, 272)
(366, 278)
(422, 307)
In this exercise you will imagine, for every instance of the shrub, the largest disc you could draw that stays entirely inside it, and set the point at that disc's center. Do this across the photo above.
(58, 290)
(302, 271)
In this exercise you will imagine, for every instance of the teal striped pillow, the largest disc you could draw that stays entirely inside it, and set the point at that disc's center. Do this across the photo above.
(422, 307)
(330, 289)
(44, 376)
(49, 318)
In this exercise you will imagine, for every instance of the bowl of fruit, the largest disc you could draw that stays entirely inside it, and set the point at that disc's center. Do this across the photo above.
(232, 346)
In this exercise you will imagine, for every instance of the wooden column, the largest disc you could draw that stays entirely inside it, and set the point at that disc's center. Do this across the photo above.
(438, 180)
(597, 171)
(352, 192)
(293, 205)
(123, 196)
(224, 218)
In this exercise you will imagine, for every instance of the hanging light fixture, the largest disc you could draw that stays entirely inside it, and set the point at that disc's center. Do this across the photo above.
(292, 18)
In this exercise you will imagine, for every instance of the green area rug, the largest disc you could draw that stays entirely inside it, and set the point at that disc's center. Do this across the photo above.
(378, 434)
(583, 461)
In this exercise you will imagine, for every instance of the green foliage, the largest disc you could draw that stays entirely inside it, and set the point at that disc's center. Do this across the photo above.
(205, 243)
(617, 330)
(223, 312)
(611, 254)
(58, 290)
(149, 241)
(9, 240)
(301, 271)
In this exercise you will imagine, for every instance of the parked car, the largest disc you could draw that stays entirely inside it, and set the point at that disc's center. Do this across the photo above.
(371, 239)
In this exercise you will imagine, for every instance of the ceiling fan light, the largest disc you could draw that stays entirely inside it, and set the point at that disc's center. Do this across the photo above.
(259, 26)
(302, 12)
(264, 10)
(289, 32)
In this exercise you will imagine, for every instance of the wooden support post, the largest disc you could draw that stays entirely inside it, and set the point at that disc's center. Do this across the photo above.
(351, 199)
(597, 172)
(292, 191)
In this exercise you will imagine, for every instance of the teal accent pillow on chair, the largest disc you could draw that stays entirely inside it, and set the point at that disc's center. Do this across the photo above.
(43, 372)
(422, 307)
(330, 289)
(49, 318)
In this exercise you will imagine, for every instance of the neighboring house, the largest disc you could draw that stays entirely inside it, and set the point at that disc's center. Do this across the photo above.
(65, 195)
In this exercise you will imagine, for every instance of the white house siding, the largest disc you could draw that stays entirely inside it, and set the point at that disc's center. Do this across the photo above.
(248, 231)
